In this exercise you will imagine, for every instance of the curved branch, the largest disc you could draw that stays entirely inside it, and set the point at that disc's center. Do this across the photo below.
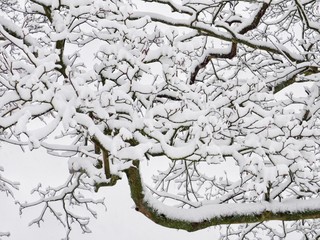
(233, 50)
(213, 31)
(208, 58)
(211, 215)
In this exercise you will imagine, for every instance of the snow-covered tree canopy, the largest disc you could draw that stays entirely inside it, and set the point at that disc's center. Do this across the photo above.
(225, 93)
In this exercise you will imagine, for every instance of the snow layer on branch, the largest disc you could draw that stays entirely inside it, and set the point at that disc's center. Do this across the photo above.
(191, 85)
(79, 164)
(209, 211)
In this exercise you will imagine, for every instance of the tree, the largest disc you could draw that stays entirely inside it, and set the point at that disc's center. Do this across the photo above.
(198, 85)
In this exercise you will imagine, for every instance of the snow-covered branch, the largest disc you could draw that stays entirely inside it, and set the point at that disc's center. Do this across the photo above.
(7, 185)
(62, 202)
(204, 85)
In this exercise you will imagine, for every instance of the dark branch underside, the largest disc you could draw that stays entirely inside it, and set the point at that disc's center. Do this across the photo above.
(137, 194)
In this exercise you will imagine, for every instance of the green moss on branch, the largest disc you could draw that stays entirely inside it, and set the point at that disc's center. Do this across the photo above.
(137, 194)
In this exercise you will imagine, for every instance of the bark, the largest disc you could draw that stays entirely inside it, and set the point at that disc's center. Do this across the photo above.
(137, 194)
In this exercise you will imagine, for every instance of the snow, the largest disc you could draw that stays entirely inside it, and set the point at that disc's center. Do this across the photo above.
(124, 84)
(231, 209)
(180, 152)
(136, 152)
(21, 123)
(78, 164)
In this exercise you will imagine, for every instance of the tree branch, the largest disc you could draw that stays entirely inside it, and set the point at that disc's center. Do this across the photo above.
(225, 214)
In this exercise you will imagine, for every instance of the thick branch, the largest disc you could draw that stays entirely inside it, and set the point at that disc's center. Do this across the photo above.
(60, 46)
(208, 58)
(256, 19)
(305, 71)
(235, 37)
(221, 214)
(233, 49)
(106, 167)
